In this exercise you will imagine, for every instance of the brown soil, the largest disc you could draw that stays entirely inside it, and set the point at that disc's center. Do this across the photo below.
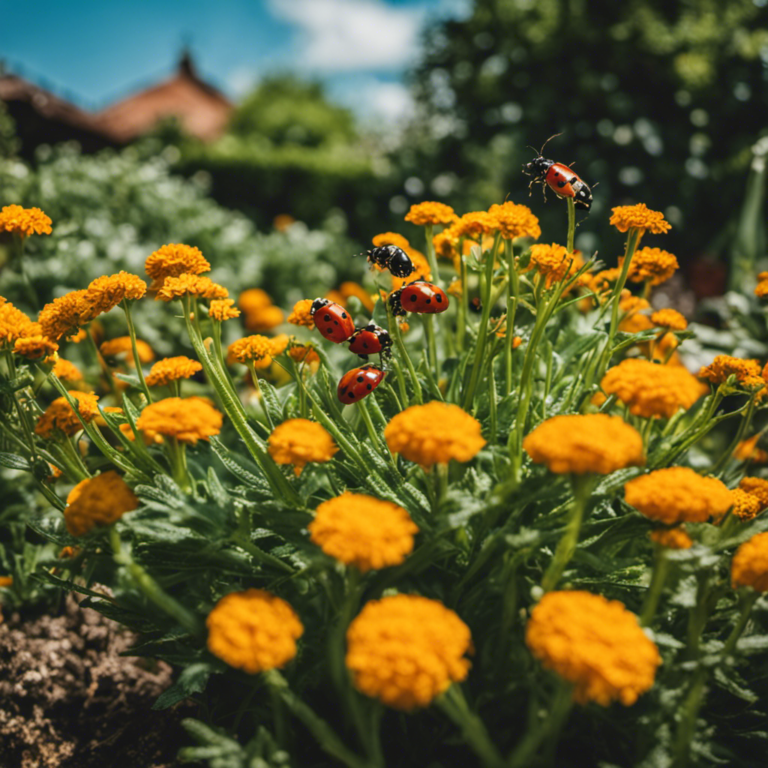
(69, 700)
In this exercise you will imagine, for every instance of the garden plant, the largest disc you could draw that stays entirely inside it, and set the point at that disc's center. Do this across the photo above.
(522, 533)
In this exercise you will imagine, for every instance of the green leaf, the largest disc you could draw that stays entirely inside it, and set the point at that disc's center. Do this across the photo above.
(240, 467)
(192, 680)
(736, 686)
(14, 461)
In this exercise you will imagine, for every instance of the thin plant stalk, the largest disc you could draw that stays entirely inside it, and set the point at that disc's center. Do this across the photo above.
(656, 587)
(126, 307)
(394, 330)
(105, 369)
(571, 223)
(513, 297)
(429, 330)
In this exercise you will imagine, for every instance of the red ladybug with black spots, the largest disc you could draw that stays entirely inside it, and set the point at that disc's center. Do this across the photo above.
(420, 297)
(371, 340)
(332, 320)
(358, 383)
(559, 178)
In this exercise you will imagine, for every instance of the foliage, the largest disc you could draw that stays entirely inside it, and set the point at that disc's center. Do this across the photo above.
(657, 101)
(9, 144)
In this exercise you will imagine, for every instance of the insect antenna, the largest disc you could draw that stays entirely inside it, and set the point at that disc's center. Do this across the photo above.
(554, 136)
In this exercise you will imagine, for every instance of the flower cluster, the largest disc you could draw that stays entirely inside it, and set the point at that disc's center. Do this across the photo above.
(173, 260)
(106, 292)
(424, 214)
(301, 442)
(406, 650)
(652, 265)
(747, 372)
(121, 347)
(223, 309)
(190, 285)
(554, 262)
(750, 564)
(186, 419)
(259, 311)
(99, 501)
(639, 217)
(172, 369)
(671, 538)
(59, 416)
(24, 221)
(595, 644)
(302, 314)
(512, 221)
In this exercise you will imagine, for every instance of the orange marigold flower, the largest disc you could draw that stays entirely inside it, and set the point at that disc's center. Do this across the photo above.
(745, 505)
(445, 243)
(669, 318)
(302, 314)
(60, 416)
(579, 444)
(172, 369)
(758, 487)
(652, 264)
(455, 288)
(671, 538)
(747, 372)
(475, 224)
(66, 314)
(253, 630)
(390, 238)
(595, 644)
(68, 552)
(761, 289)
(253, 300)
(629, 304)
(678, 494)
(636, 322)
(188, 419)
(14, 324)
(223, 309)
(748, 450)
(100, 501)
(263, 319)
(513, 220)
(304, 353)
(301, 442)
(434, 433)
(35, 347)
(173, 260)
(255, 349)
(106, 292)
(6, 582)
(24, 221)
(191, 285)
(749, 567)
(122, 346)
(362, 531)
(554, 262)
(66, 371)
(77, 337)
(406, 650)
(350, 290)
(283, 221)
(423, 214)
(626, 217)
(652, 390)
(280, 344)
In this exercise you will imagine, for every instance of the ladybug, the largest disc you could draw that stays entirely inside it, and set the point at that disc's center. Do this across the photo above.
(370, 340)
(359, 382)
(390, 257)
(560, 178)
(332, 320)
(476, 305)
(419, 296)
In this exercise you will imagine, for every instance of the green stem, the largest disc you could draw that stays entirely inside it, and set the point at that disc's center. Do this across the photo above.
(746, 420)
(126, 307)
(105, 369)
(463, 313)
(687, 723)
(177, 457)
(482, 331)
(748, 602)
(394, 330)
(429, 330)
(513, 297)
(431, 258)
(571, 223)
(259, 394)
(656, 587)
(582, 489)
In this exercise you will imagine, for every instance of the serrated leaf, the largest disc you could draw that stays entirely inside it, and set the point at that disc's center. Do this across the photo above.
(737, 688)
(192, 680)
(240, 467)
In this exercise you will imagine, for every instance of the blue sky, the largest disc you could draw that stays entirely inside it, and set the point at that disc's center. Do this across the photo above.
(100, 50)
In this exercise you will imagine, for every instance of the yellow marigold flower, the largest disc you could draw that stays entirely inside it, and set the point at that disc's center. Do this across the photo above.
(514, 220)
(66, 314)
(300, 442)
(406, 650)
(474, 225)
(421, 271)
(445, 243)
(390, 238)
(301, 314)
(761, 289)
(188, 419)
(172, 369)
(253, 630)
(423, 214)
(747, 372)
(304, 353)
(191, 285)
(253, 300)
(106, 292)
(24, 221)
(60, 416)
(671, 538)
(595, 644)
(173, 260)
(749, 567)
(280, 344)
(604, 280)
(630, 304)
(635, 323)
(6, 582)
(678, 494)
(100, 501)
(66, 371)
(626, 217)
(255, 349)
(223, 309)
(669, 318)
(122, 346)
(360, 530)
(434, 433)
(745, 505)
(579, 444)
(77, 337)
(554, 262)
(264, 319)
(758, 487)
(14, 324)
(748, 450)
(652, 264)
(35, 347)
(651, 390)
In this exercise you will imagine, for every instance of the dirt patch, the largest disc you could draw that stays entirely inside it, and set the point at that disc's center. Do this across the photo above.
(69, 700)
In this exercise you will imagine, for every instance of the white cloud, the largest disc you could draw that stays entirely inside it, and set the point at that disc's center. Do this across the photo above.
(392, 101)
(345, 35)
(241, 81)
